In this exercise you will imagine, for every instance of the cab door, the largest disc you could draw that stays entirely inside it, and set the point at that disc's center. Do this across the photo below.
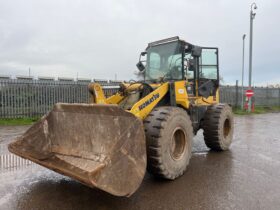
(208, 72)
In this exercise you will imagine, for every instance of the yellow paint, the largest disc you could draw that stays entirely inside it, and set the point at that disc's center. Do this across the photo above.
(218, 95)
(132, 86)
(196, 88)
(201, 101)
(136, 86)
(98, 96)
(115, 99)
(143, 107)
(143, 113)
(181, 94)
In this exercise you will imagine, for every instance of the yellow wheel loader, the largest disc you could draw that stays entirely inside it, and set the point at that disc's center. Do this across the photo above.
(109, 143)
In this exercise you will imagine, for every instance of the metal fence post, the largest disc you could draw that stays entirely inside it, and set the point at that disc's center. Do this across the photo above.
(279, 96)
(236, 94)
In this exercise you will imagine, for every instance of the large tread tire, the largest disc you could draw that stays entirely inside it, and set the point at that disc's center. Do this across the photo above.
(169, 136)
(218, 127)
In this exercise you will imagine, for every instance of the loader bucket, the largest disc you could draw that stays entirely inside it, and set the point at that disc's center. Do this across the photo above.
(101, 146)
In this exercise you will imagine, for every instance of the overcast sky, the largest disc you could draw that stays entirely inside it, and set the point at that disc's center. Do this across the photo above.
(99, 39)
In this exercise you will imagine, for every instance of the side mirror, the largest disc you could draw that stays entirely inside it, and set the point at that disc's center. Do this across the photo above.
(140, 66)
(196, 51)
(143, 53)
(191, 64)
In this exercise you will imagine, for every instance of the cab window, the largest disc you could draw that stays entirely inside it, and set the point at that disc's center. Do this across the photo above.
(208, 64)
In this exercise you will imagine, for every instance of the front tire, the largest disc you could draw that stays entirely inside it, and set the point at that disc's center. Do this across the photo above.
(218, 127)
(169, 136)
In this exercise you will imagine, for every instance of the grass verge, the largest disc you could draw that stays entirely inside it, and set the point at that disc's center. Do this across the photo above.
(258, 110)
(19, 121)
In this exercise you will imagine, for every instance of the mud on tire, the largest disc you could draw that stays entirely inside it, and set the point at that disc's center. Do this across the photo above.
(218, 127)
(169, 136)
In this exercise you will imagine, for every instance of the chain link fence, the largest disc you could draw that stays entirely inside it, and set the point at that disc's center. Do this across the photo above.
(26, 97)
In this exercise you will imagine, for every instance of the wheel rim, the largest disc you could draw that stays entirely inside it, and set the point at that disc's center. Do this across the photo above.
(227, 127)
(178, 144)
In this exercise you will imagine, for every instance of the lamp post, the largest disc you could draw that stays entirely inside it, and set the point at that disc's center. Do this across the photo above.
(242, 84)
(252, 16)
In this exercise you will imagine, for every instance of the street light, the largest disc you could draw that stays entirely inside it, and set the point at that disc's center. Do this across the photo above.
(252, 16)
(242, 91)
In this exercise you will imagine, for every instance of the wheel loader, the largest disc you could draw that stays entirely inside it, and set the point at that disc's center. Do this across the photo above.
(148, 124)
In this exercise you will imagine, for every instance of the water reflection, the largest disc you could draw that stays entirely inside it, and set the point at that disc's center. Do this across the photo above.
(11, 162)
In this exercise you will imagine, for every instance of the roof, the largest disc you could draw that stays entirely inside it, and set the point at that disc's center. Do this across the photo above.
(164, 41)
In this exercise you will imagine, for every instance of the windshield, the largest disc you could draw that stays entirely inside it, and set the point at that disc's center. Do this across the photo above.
(164, 61)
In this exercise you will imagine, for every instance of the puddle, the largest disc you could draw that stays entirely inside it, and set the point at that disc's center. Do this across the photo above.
(11, 162)
(200, 152)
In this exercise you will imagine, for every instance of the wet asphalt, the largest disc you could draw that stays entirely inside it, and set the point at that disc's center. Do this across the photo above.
(245, 177)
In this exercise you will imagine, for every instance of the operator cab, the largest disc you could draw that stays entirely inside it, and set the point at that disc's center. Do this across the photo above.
(174, 59)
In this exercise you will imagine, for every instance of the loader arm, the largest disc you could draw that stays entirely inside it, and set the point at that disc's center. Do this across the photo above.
(98, 96)
(141, 108)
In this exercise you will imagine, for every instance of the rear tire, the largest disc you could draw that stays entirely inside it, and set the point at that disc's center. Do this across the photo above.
(218, 127)
(169, 136)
